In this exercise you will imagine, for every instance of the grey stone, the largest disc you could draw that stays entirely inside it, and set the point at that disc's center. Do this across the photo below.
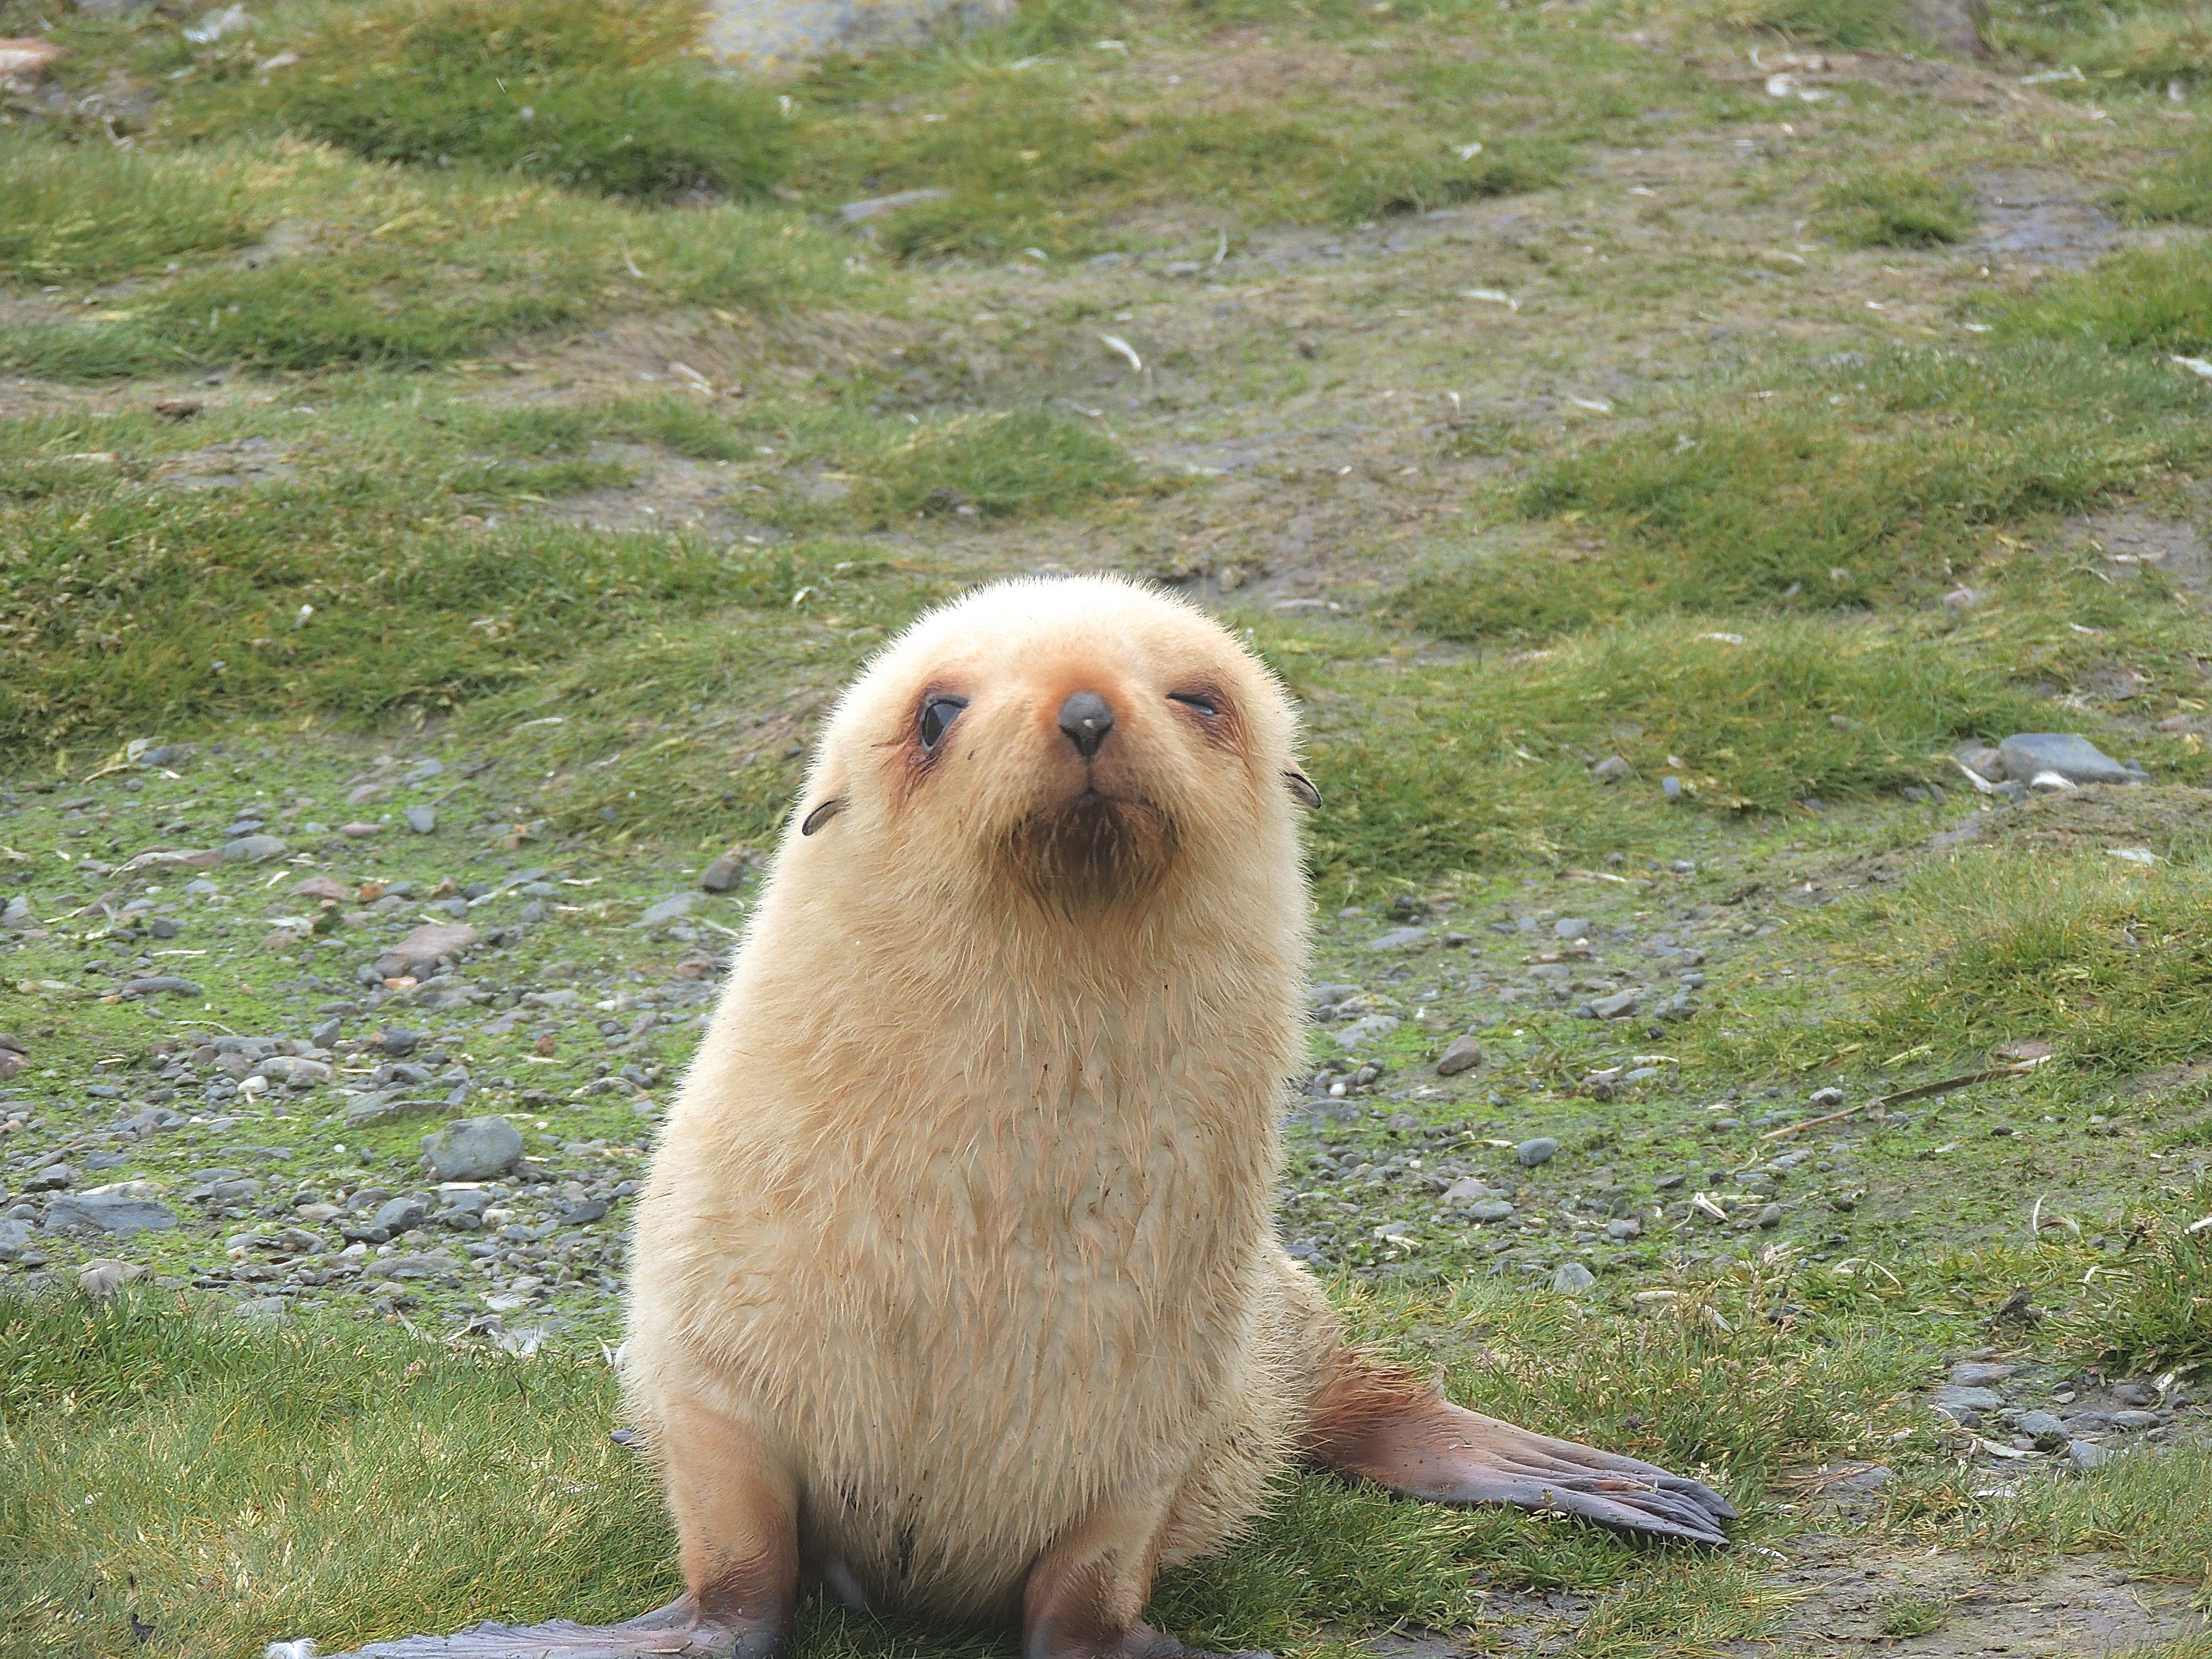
(162, 985)
(422, 819)
(1466, 1190)
(110, 1213)
(1622, 1227)
(1570, 928)
(1490, 1209)
(473, 1149)
(1401, 938)
(875, 206)
(1966, 1405)
(673, 908)
(2133, 1421)
(420, 950)
(2046, 1431)
(2029, 754)
(1571, 1277)
(1771, 1216)
(1978, 1373)
(54, 1178)
(1612, 769)
(719, 877)
(1873, 1478)
(2086, 1454)
(15, 1239)
(582, 1214)
(399, 1215)
(1542, 1149)
(1366, 1029)
(422, 771)
(296, 1071)
(1619, 1003)
(253, 849)
(397, 1041)
(18, 914)
(1462, 1054)
(103, 1276)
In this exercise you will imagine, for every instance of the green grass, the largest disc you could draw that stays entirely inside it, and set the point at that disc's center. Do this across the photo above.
(2108, 962)
(1850, 24)
(1908, 1615)
(1439, 766)
(1821, 490)
(242, 1481)
(2156, 1311)
(2147, 42)
(383, 264)
(2152, 1510)
(1896, 207)
(92, 213)
(2145, 299)
(594, 97)
(2180, 190)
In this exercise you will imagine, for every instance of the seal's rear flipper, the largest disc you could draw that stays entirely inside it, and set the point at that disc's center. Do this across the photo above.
(677, 1631)
(1388, 1427)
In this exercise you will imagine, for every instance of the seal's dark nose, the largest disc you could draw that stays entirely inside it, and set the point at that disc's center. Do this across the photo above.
(1086, 718)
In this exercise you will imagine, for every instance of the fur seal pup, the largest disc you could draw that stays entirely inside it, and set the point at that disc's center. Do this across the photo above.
(956, 1283)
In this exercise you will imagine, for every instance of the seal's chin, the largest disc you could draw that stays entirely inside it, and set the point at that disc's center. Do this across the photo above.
(1092, 849)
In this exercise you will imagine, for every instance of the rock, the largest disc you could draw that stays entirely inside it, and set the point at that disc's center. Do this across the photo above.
(1978, 1373)
(1462, 1054)
(1570, 928)
(1771, 1216)
(875, 206)
(399, 1215)
(319, 887)
(54, 1178)
(2042, 1427)
(1401, 938)
(1966, 1406)
(2087, 1455)
(1624, 1227)
(14, 1238)
(1571, 1277)
(583, 1214)
(1365, 1029)
(1542, 1149)
(153, 1120)
(1985, 764)
(1490, 1209)
(422, 819)
(103, 1276)
(2028, 756)
(110, 1213)
(18, 915)
(723, 873)
(421, 949)
(1466, 1190)
(1619, 1003)
(253, 849)
(673, 908)
(473, 1149)
(1612, 769)
(1871, 1479)
(356, 831)
(424, 770)
(296, 1070)
(25, 60)
(397, 1041)
(1825, 1100)
(162, 985)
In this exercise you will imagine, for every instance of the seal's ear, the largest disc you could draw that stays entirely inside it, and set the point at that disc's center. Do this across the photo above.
(821, 815)
(1302, 788)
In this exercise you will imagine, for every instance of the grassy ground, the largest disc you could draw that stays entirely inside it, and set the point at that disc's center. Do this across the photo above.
(1644, 471)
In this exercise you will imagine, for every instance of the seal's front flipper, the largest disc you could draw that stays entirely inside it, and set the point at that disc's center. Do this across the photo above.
(1388, 1428)
(678, 1631)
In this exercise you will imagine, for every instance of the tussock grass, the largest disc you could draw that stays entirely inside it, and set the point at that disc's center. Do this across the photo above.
(2153, 1510)
(1767, 495)
(2109, 962)
(383, 264)
(2155, 298)
(92, 213)
(248, 1484)
(1000, 464)
(598, 97)
(2148, 42)
(1850, 24)
(1471, 763)
(2181, 190)
(1896, 207)
(2155, 1312)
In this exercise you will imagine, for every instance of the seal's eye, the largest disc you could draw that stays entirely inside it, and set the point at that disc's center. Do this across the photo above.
(1192, 701)
(938, 714)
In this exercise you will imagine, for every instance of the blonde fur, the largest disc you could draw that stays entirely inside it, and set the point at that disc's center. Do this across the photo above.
(962, 1216)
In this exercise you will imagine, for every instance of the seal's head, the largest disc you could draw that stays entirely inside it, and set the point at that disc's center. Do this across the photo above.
(1079, 741)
